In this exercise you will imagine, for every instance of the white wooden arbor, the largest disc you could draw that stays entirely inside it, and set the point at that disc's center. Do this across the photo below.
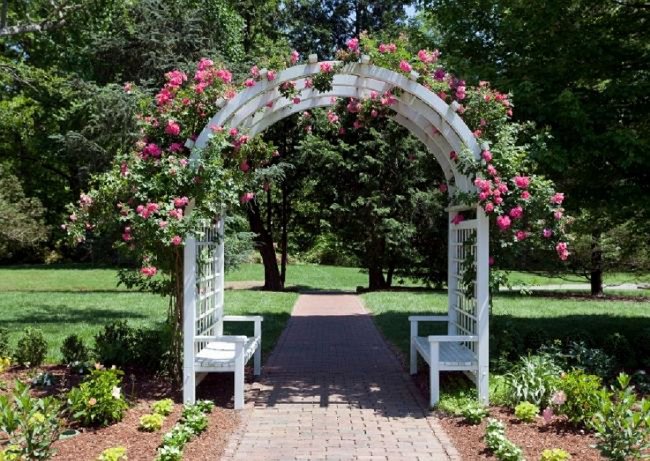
(438, 126)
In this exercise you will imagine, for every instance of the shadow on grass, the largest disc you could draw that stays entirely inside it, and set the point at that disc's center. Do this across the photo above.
(65, 315)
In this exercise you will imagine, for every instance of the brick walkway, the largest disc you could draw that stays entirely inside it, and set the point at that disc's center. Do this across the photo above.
(333, 390)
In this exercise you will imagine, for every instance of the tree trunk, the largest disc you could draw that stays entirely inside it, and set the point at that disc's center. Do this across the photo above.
(376, 279)
(389, 275)
(264, 241)
(596, 265)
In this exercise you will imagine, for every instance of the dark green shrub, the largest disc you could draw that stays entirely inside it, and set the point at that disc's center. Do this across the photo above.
(617, 346)
(31, 348)
(32, 424)
(4, 343)
(149, 348)
(113, 345)
(98, 401)
(622, 422)
(582, 393)
(591, 360)
(74, 350)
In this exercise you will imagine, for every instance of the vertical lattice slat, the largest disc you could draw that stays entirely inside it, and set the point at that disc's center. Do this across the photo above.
(462, 293)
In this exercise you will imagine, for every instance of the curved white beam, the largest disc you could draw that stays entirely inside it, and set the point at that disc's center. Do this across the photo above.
(417, 109)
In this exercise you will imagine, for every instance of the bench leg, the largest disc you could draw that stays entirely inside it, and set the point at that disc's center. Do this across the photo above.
(239, 381)
(189, 385)
(434, 374)
(414, 352)
(257, 361)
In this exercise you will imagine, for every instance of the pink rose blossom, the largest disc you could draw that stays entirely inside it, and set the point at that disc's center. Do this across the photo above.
(374, 113)
(562, 250)
(176, 213)
(357, 124)
(459, 218)
(558, 215)
(172, 128)
(244, 166)
(516, 212)
(525, 195)
(547, 233)
(175, 147)
(205, 63)
(151, 150)
(491, 170)
(181, 202)
(249, 82)
(176, 240)
(443, 187)
(148, 271)
(487, 155)
(246, 197)
(296, 100)
(404, 66)
(309, 83)
(175, 78)
(503, 222)
(489, 207)
(128, 86)
(498, 200)
(353, 44)
(216, 128)
(558, 198)
(521, 235)
(270, 75)
(453, 155)
(255, 72)
(522, 182)
(326, 67)
(124, 169)
(85, 200)
(162, 224)
(428, 57)
(233, 132)
(332, 117)
(294, 57)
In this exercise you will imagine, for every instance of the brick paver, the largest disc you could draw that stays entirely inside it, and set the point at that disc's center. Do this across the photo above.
(333, 390)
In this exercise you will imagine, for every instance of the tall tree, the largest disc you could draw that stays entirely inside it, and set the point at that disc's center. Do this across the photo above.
(578, 68)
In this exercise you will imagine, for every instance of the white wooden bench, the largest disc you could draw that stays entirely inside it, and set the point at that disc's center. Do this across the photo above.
(205, 348)
(441, 353)
(222, 354)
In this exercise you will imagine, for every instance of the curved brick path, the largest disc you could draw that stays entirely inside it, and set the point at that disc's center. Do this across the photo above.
(333, 390)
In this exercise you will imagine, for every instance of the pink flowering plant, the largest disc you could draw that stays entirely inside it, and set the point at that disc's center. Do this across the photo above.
(160, 191)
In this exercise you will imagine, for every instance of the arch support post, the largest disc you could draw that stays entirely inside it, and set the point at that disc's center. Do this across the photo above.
(189, 318)
(483, 303)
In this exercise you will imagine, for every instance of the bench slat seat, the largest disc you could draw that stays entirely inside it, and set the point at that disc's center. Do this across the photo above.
(221, 354)
(441, 353)
(453, 356)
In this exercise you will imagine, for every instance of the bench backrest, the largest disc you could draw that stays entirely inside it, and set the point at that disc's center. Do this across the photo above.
(462, 280)
(209, 308)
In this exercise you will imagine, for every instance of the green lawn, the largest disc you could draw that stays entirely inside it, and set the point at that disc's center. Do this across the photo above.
(62, 301)
(611, 278)
(528, 320)
(308, 276)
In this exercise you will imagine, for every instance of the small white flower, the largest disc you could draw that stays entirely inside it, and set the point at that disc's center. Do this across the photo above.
(116, 392)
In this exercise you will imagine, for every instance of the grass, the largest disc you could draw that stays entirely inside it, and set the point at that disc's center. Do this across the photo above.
(530, 320)
(611, 278)
(65, 300)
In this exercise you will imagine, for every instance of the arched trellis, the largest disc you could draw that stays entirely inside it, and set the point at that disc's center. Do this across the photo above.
(435, 123)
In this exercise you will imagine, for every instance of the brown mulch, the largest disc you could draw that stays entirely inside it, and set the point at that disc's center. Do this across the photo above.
(142, 390)
(532, 438)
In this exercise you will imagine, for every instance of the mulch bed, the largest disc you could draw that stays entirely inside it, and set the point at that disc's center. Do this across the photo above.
(532, 438)
(142, 390)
